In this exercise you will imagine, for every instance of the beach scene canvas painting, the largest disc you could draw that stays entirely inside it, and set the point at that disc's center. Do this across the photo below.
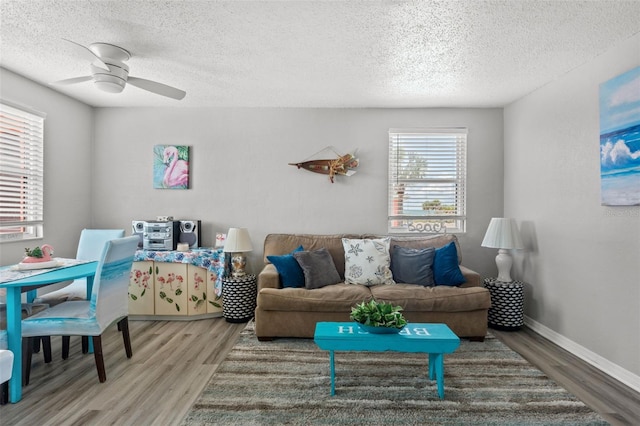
(620, 140)
(171, 167)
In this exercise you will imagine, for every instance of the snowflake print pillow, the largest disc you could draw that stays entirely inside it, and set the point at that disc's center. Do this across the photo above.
(367, 261)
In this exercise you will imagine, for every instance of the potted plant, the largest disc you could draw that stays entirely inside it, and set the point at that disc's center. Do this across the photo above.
(38, 254)
(378, 317)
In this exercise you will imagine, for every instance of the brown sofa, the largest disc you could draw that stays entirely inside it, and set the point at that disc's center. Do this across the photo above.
(294, 312)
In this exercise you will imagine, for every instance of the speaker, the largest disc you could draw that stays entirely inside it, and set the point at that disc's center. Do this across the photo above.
(190, 233)
(137, 228)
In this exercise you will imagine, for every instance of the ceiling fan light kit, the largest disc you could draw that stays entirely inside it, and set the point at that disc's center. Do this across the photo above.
(110, 74)
(113, 81)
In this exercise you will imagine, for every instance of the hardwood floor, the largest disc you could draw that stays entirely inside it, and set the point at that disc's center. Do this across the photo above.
(171, 364)
(173, 361)
(617, 403)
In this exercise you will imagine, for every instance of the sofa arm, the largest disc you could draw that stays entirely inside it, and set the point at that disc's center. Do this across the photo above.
(268, 277)
(472, 278)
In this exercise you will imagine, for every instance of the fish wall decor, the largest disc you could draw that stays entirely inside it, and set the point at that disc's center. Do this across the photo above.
(318, 163)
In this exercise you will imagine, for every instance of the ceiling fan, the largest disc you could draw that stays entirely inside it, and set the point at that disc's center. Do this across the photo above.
(110, 73)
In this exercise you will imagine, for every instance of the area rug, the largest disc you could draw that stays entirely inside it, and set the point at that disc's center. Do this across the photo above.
(287, 381)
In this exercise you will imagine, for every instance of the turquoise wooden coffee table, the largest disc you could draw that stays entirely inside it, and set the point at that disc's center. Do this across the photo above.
(433, 339)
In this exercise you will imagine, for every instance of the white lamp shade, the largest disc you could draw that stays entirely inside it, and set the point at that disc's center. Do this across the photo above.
(502, 233)
(238, 241)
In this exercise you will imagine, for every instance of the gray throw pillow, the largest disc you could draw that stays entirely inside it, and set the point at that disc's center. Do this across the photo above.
(318, 268)
(413, 266)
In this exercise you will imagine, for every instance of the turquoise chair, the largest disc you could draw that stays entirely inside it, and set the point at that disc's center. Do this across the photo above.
(27, 309)
(108, 305)
(90, 247)
(6, 368)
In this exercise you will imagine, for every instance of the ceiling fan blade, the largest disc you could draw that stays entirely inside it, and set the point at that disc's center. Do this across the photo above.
(90, 55)
(74, 80)
(157, 88)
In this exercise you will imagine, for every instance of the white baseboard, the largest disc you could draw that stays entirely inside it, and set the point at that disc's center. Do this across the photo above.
(602, 364)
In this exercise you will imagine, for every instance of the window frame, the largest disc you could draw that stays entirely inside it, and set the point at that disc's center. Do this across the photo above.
(21, 172)
(446, 149)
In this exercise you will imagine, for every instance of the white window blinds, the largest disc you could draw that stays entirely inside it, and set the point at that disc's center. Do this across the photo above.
(427, 180)
(21, 173)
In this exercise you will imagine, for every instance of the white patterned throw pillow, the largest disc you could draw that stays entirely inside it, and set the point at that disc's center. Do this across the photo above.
(367, 261)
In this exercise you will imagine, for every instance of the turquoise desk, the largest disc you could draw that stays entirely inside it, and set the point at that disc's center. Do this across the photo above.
(14, 308)
(433, 339)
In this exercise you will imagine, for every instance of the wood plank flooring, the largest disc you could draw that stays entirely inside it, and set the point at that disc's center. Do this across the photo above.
(173, 361)
(171, 364)
(617, 403)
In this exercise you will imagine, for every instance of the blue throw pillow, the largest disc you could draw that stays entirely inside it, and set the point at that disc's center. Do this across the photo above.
(289, 269)
(412, 266)
(445, 266)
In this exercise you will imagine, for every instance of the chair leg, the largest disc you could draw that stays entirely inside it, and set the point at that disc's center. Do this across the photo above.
(65, 346)
(123, 325)
(97, 353)
(85, 344)
(36, 345)
(27, 351)
(4, 393)
(46, 347)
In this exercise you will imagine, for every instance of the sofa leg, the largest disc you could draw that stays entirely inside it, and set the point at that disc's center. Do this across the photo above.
(265, 339)
(476, 338)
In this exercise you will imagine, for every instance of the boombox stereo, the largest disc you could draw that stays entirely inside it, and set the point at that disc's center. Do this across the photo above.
(165, 235)
(161, 235)
(190, 233)
(137, 228)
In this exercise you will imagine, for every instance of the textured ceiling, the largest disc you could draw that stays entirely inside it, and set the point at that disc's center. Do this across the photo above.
(316, 53)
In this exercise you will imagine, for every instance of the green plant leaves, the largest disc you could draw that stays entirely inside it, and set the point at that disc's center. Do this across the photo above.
(35, 252)
(378, 314)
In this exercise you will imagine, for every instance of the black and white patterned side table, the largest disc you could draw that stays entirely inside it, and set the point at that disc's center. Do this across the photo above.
(507, 304)
(239, 298)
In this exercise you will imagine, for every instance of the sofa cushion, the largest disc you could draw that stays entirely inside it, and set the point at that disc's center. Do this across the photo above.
(421, 241)
(278, 244)
(291, 274)
(413, 266)
(334, 298)
(445, 266)
(318, 268)
(413, 298)
(367, 261)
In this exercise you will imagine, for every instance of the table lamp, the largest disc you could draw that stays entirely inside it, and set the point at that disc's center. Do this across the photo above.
(503, 234)
(237, 243)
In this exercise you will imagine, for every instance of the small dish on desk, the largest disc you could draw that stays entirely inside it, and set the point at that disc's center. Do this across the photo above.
(39, 265)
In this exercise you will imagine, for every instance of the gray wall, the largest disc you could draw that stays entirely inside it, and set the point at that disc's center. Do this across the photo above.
(240, 174)
(582, 264)
(68, 144)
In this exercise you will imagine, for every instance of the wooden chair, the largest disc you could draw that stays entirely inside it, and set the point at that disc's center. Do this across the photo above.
(27, 309)
(90, 247)
(108, 305)
(6, 368)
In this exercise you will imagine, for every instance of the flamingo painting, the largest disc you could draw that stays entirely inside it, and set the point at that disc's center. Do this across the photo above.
(171, 167)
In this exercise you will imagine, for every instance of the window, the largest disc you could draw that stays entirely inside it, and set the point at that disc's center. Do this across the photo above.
(21, 173)
(427, 180)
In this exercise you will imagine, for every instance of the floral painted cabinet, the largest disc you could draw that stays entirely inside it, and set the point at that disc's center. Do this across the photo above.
(214, 300)
(202, 297)
(141, 288)
(176, 285)
(171, 289)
